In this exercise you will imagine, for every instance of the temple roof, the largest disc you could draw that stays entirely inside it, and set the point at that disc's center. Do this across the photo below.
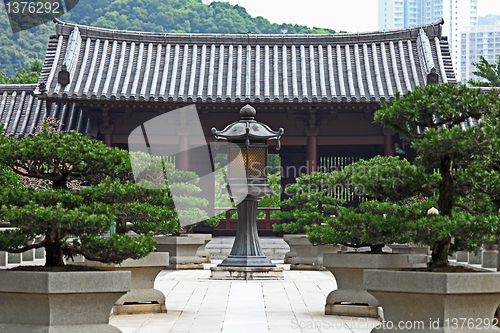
(22, 112)
(106, 64)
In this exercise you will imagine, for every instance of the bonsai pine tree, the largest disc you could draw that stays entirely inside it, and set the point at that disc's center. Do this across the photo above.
(139, 214)
(72, 219)
(186, 203)
(311, 202)
(436, 120)
(372, 224)
(320, 213)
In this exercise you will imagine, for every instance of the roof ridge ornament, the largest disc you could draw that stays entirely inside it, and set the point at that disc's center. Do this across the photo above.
(425, 53)
(433, 76)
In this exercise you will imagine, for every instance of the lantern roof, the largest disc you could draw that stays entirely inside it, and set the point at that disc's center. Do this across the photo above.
(247, 128)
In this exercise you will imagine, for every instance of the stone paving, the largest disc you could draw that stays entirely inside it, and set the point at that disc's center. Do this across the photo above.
(197, 304)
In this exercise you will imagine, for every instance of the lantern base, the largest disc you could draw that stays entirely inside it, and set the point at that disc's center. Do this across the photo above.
(246, 273)
(246, 261)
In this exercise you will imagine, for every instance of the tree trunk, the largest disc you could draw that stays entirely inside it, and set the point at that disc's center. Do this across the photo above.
(446, 187)
(120, 226)
(376, 248)
(53, 245)
(441, 247)
(53, 249)
(440, 251)
(60, 184)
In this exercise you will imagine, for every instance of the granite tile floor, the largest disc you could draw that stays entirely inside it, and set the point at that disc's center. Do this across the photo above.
(197, 304)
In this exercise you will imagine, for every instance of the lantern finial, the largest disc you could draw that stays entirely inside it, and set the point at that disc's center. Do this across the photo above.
(248, 112)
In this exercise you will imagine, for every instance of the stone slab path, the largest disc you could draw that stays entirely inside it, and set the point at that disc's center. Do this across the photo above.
(197, 304)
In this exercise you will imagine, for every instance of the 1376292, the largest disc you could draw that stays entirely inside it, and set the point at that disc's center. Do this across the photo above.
(32, 7)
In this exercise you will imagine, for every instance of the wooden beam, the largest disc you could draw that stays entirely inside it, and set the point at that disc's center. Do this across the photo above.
(285, 141)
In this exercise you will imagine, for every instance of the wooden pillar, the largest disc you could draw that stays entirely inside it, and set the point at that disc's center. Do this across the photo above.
(106, 128)
(183, 131)
(312, 144)
(199, 162)
(182, 158)
(312, 153)
(389, 143)
(108, 141)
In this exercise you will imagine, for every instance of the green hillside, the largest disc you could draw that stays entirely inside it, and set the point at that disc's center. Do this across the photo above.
(489, 19)
(19, 50)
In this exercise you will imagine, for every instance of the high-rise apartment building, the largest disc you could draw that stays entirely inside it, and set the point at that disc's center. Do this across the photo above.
(477, 41)
(396, 14)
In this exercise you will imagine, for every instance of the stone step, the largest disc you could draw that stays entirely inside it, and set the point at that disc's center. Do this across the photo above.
(274, 247)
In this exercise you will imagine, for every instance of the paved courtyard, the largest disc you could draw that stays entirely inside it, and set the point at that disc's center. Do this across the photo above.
(197, 304)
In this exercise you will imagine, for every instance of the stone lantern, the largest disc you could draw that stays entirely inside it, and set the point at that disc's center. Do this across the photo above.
(247, 175)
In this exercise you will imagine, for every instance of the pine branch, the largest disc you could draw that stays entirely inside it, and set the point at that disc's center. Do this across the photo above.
(464, 207)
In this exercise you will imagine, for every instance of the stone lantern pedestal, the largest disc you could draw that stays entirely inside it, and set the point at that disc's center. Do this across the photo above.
(247, 261)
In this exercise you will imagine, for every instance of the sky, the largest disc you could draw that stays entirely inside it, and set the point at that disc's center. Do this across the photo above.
(348, 15)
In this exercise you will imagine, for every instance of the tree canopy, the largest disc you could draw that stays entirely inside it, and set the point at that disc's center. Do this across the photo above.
(25, 75)
(488, 71)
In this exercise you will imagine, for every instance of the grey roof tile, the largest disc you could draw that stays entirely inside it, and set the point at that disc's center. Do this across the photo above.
(139, 66)
(21, 111)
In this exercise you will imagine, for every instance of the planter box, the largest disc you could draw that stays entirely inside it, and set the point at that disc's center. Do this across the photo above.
(182, 250)
(409, 248)
(348, 268)
(309, 256)
(489, 254)
(201, 252)
(142, 298)
(474, 258)
(434, 300)
(292, 253)
(60, 302)
(462, 256)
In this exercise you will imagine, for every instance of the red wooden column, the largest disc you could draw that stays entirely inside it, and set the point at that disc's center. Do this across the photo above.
(183, 131)
(182, 160)
(311, 132)
(108, 141)
(106, 128)
(389, 143)
(312, 152)
(312, 149)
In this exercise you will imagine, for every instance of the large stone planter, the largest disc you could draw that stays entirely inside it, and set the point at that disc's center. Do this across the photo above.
(462, 256)
(489, 254)
(201, 252)
(474, 258)
(292, 253)
(309, 256)
(409, 248)
(434, 301)
(59, 302)
(142, 297)
(182, 251)
(350, 298)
